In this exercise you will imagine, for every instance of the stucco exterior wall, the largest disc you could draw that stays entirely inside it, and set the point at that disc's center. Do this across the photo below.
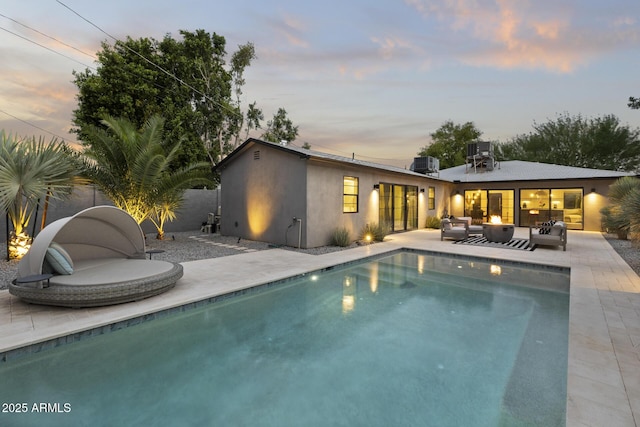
(325, 191)
(261, 193)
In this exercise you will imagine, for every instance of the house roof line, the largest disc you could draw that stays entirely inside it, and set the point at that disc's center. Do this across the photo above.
(507, 171)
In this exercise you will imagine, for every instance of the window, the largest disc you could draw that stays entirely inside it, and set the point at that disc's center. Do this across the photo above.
(432, 198)
(350, 194)
(559, 204)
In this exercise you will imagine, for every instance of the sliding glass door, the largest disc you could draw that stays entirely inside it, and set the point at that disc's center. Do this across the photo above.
(399, 206)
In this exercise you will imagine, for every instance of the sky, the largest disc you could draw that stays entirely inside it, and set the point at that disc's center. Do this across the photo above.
(365, 78)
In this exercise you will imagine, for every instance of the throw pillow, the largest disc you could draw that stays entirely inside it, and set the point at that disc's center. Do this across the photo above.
(59, 259)
(546, 227)
(446, 224)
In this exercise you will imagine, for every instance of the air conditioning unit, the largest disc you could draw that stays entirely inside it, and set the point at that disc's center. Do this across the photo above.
(425, 164)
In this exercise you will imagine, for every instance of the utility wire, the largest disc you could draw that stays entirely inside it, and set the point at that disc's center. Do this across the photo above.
(49, 37)
(45, 47)
(182, 82)
(35, 126)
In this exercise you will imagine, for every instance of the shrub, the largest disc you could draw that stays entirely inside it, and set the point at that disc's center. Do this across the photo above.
(376, 232)
(433, 222)
(340, 237)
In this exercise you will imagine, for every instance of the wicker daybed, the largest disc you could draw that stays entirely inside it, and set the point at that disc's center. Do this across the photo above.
(96, 257)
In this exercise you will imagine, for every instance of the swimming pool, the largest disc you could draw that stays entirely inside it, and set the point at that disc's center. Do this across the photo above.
(406, 339)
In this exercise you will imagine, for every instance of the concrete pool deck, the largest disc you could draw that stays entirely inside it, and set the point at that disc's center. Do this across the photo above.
(603, 386)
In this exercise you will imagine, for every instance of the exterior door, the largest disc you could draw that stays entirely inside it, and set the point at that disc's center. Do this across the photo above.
(398, 206)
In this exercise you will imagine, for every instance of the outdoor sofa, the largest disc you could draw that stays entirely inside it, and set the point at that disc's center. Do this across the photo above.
(453, 229)
(96, 257)
(548, 234)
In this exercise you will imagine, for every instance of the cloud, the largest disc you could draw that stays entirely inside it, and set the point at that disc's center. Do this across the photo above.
(292, 29)
(532, 35)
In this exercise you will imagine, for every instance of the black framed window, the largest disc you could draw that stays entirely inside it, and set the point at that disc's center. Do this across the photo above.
(432, 198)
(350, 194)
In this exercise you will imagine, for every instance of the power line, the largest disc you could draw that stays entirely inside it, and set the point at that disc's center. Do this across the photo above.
(45, 47)
(182, 82)
(49, 37)
(35, 126)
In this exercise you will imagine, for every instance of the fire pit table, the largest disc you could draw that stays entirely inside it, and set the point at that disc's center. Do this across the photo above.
(498, 233)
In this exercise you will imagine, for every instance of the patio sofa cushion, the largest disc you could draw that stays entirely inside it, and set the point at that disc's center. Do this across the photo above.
(545, 227)
(556, 228)
(473, 229)
(58, 259)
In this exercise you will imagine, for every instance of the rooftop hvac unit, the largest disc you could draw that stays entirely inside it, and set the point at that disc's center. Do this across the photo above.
(472, 149)
(480, 148)
(425, 164)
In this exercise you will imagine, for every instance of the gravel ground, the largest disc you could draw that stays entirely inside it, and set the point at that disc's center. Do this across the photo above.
(194, 245)
(181, 247)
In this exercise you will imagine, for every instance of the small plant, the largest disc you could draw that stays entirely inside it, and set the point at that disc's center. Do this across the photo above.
(433, 222)
(375, 233)
(340, 237)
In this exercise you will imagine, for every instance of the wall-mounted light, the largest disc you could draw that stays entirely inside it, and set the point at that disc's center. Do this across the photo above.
(593, 190)
(376, 186)
(457, 192)
(422, 190)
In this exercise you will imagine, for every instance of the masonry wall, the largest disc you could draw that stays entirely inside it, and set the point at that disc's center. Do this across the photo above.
(197, 205)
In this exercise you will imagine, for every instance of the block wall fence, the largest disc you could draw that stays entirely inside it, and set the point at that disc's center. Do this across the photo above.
(195, 209)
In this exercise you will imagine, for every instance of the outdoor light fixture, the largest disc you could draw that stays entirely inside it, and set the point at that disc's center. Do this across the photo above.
(422, 190)
(376, 186)
(593, 190)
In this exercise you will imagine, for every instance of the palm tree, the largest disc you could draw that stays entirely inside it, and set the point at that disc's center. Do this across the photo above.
(133, 169)
(621, 216)
(30, 170)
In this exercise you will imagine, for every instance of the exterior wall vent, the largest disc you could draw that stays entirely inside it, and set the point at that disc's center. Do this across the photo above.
(256, 155)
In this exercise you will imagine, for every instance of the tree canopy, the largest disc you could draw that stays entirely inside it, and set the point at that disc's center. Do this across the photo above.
(449, 144)
(186, 81)
(281, 128)
(600, 143)
(634, 103)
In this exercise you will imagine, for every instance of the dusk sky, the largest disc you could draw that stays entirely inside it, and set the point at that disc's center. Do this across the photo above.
(370, 77)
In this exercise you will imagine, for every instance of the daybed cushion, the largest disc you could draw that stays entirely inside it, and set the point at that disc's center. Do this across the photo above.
(58, 259)
(111, 270)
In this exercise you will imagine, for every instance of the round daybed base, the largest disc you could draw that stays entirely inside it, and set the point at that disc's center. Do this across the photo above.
(104, 284)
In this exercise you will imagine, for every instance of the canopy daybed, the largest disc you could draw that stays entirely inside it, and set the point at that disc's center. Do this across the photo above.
(93, 258)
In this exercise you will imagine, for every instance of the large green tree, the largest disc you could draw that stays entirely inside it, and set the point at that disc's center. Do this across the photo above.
(281, 128)
(449, 143)
(634, 103)
(185, 80)
(601, 143)
(132, 168)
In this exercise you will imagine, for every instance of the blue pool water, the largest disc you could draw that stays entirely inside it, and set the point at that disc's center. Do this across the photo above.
(405, 340)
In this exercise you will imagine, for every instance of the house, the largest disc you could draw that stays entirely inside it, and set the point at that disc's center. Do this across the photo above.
(523, 193)
(296, 197)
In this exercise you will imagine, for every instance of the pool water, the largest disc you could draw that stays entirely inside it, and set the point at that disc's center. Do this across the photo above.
(404, 340)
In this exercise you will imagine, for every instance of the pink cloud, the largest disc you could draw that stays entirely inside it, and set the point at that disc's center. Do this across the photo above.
(517, 34)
